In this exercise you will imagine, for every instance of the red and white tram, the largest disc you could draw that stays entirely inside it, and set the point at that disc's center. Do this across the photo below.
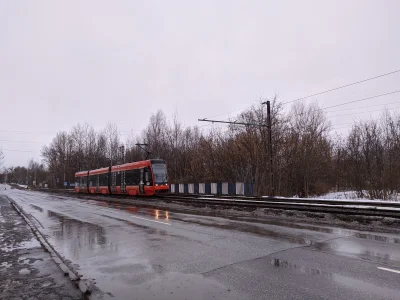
(147, 178)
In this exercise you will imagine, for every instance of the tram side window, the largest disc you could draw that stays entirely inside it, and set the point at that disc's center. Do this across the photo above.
(118, 179)
(84, 181)
(77, 179)
(93, 180)
(132, 177)
(103, 180)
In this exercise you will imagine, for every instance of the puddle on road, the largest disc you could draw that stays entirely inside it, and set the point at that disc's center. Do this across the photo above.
(173, 286)
(256, 230)
(148, 230)
(76, 235)
(339, 231)
(346, 281)
(239, 224)
(165, 215)
(379, 238)
(369, 251)
(157, 214)
(289, 225)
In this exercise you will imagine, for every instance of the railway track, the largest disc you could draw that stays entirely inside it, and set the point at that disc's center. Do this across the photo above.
(365, 208)
(361, 208)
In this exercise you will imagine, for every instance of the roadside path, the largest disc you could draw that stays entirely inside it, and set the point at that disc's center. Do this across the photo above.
(26, 270)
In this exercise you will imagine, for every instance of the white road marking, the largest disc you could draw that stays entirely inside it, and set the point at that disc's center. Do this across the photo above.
(151, 220)
(390, 270)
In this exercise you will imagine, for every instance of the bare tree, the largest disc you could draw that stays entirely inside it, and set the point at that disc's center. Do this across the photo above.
(308, 159)
(1, 157)
(113, 142)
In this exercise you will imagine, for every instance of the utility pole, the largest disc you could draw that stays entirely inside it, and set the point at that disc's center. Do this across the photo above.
(271, 163)
(268, 125)
(122, 151)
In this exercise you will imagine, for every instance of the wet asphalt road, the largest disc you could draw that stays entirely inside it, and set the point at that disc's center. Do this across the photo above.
(140, 253)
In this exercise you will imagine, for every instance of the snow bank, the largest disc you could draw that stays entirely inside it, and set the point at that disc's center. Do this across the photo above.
(352, 195)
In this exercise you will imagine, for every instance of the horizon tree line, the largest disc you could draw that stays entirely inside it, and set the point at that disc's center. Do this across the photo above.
(308, 158)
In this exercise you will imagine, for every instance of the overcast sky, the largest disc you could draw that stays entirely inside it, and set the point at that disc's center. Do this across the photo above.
(65, 62)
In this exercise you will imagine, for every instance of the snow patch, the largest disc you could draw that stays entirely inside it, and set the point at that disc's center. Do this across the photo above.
(352, 195)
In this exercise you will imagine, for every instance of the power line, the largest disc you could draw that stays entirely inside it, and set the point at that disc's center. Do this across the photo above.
(28, 132)
(18, 150)
(363, 99)
(20, 141)
(52, 133)
(341, 104)
(349, 102)
(343, 86)
(361, 112)
(397, 102)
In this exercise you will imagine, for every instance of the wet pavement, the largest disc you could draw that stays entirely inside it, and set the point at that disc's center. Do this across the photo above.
(134, 252)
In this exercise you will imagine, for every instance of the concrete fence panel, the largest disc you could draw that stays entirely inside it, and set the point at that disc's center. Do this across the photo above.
(225, 188)
(239, 188)
(202, 188)
(191, 188)
(214, 188)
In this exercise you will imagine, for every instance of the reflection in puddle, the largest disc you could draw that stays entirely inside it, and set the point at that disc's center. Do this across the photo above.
(147, 229)
(78, 235)
(158, 214)
(366, 251)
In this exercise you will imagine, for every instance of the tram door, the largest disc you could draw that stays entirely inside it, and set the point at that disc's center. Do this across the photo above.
(141, 183)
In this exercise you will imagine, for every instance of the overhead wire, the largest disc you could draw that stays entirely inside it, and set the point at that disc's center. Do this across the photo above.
(343, 86)
(323, 92)
(349, 102)
(361, 112)
(375, 105)
(363, 99)
(16, 150)
(19, 141)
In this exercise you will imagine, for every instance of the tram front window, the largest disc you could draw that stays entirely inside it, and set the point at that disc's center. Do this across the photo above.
(160, 173)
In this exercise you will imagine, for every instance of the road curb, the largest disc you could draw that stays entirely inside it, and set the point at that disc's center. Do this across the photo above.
(84, 286)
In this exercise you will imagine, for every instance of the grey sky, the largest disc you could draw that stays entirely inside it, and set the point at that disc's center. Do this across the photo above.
(64, 62)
